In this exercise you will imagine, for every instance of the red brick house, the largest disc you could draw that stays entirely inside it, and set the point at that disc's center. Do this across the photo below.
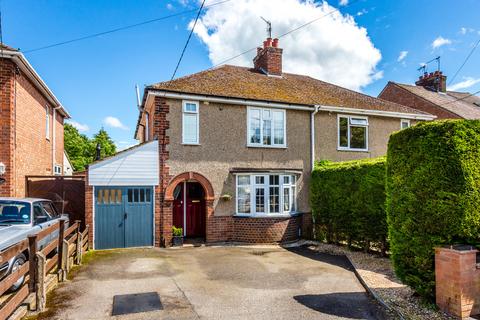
(430, 94)
(226, 155)
(31, 124)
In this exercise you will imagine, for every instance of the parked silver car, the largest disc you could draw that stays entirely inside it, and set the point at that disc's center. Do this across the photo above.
(20, 218)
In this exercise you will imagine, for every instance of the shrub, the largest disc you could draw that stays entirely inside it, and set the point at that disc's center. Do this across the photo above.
(433, 199)
(348, 201)
(177, 232)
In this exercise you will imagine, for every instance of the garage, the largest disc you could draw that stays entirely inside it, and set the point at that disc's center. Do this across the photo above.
(123, 201)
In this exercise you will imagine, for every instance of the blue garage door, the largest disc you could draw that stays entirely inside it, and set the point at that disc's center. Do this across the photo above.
(123, 217)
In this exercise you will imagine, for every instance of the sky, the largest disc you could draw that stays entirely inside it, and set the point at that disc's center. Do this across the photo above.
(358, 44)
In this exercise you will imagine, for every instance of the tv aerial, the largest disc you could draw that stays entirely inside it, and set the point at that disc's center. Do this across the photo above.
(269, 26)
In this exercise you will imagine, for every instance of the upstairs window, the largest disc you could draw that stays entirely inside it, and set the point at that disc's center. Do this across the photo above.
(404, 124)
(47, 122)
(190, 126)
(352, 133)
(266, 127)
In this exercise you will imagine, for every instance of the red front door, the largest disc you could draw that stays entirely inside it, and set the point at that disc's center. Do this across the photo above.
(189, 209)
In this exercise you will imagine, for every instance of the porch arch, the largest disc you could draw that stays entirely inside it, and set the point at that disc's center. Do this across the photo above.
(186, 176)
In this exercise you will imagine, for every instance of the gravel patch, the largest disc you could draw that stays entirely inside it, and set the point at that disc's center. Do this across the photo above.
(378, 274)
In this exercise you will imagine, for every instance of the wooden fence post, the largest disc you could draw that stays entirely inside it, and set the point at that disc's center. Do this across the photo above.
(60, 262)
(32, 251)
(65, 259)
(40, 278)
(78, 256)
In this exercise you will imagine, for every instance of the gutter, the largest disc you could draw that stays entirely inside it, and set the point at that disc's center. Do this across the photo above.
(27, 68)
(391, 114)
(312, 136)
(236, 101)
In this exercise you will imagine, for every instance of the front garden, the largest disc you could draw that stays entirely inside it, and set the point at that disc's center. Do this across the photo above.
(424, 194)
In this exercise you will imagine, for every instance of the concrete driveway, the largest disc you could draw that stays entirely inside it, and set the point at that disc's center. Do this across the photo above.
(217, 283)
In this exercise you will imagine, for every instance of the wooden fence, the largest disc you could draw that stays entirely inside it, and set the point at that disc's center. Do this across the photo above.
(71, 244)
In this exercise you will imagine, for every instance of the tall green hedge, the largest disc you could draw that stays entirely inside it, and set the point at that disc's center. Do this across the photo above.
(348, 201)
(433, 195)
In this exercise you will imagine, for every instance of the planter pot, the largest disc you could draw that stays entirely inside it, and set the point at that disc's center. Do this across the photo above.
(177, 241)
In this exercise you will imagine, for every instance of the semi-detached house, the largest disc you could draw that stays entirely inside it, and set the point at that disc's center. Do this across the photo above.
(226, 154)
(31, 125)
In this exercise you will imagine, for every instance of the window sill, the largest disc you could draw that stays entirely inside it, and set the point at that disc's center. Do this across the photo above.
(271, 215)
(352, 150)
(191, 144)
(266, 146)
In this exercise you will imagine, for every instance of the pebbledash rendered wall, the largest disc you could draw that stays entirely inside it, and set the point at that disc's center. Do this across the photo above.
(222, 150)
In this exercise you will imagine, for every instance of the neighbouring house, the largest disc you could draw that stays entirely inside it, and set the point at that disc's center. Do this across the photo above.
(226, 154)
(430, 94)
(31, 127)
(67, 165)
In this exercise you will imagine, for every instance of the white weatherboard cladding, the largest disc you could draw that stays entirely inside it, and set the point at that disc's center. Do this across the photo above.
(136, 167)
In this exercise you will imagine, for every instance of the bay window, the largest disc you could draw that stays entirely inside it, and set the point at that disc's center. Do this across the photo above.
(352, 133)
(264, 194)
(266, 127)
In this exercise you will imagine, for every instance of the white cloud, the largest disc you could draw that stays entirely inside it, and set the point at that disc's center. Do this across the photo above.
(362, 12)
(440, 41)
(464, 30)
(114, 123)
(169, 6)
(343, 2)
(402, 55)
(333, 49)
(80, 127)
(466, 83)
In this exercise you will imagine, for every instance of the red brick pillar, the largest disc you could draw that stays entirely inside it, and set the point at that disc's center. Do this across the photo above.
(89, 209)
(167, 222)
(7, 126)
(457, 281)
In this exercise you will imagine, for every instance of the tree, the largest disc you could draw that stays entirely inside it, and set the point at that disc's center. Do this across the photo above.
(82, 151)
(76, 146)
(107, 145)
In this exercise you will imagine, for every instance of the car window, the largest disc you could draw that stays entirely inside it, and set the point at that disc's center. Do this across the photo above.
(39, 211)
(49, 209)
(14, 212)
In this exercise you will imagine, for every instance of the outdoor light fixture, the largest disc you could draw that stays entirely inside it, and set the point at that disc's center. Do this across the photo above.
(2, 168)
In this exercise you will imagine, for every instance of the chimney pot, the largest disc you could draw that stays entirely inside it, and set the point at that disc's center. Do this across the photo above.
(269, 58)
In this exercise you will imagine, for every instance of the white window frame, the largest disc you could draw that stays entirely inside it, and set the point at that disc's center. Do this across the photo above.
(47, 122)
(340, 148)
(266, 186)
(402, 121)
(197, 112)
(57, 170)
(260, 144)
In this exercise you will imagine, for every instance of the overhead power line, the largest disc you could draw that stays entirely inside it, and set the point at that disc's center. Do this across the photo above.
(465, 61)
(460, 99)
(93, 35)
(188, 40)
(285, 34)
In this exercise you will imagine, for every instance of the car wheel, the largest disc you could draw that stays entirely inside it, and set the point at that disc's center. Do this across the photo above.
(19, 261)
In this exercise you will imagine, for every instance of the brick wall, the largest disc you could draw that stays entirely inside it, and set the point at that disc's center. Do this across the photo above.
(24, 147)
(219, 229)
(266, 230)
(457, 281)
(163, 226)
(7, 89)
(394, 93)
(89, 209)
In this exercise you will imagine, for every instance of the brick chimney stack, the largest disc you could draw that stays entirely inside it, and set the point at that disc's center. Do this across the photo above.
(269, 58)
(434, 81)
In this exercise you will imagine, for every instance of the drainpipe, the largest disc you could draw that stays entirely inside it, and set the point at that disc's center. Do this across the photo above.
(54, 138)
(312, 135)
